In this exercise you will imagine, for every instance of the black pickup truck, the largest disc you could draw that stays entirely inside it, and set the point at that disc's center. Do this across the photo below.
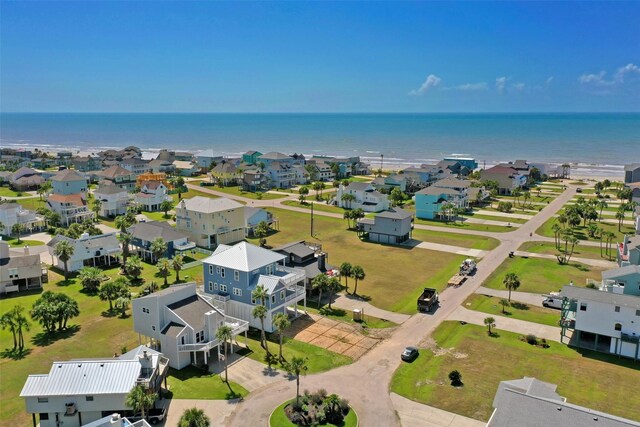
(427, 300)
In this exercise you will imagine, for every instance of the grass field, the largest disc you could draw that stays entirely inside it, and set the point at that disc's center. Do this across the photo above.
(7, 192)
(32, 203)
(347, 316)
(597, 381)
(581, 232)
(541, 276)
(237, 191)
(318, 358)
(505, 219)
(194, 383)
(515, 310)
(462, 240)
(13, 242)
(464, 226)
(156, 216)
(580, 251)
(106, 334)
(279, 418)
(386, 267)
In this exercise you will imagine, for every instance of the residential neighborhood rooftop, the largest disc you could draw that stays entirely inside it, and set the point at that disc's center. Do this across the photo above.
(242, 256)
(208, 205)
(579, 293)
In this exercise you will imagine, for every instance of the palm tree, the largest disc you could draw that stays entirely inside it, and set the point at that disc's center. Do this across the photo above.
(556, 232)
(281, 322)
(345, 271)
(64, 251)
(123, 302)
(619, 217)
(125, 239)
(303, 191)
(177, 263)
(22, 323)
(504, 303)
(7, 321)
(164, 269)
(320, 283)
(333, 286)
(166, 206)
(602, 204)
(96, 206)
(139, 400)
(348, 198)
(260, 312)
(158, 247)
(134, 267)
(261, 231)
(517, 193)
(297, 366)
(91, 278)
(194, 417)
(261, 294)
(511, 282)
(17, 230)
(113, 290)
(358, 274)
(526, 196)
(489, 322)
(224, 335)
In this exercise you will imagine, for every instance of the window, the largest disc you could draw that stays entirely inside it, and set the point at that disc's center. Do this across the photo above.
(237, 291)
(43, 400)
(153, 328)
(200, 336)
(236, 275)
(210, 269)
(583, 306)
(217, 269)
(89, 398)
(273, 299)
(145, 310)
(618, 327)
(282, 294)
(44, 416)
(253, 301)
(637, 312)
(215, 286)
(210, 286)
(222, 272)
(223, 288)
(269, 269)
(617, 309)
(182, 340)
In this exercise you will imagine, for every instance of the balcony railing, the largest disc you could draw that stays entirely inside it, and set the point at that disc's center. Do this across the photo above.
(237, 327)
(630, 337)
(291, 275)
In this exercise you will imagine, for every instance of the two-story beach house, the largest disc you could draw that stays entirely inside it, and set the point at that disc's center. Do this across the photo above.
(429, 201)
(136, 165)
(507, 177)
(71, 207)
(308, 256)
(25, 179)
(78, 392)
(390, 182)
(114, 200)
(255, 180)
(68, 182)
(205, 158)
(12, 213)
(251, 157)
(19, 270)
(392, 226)
(91, 251)
(183, 324)
(86, 164)
(226, 173)
(232, 273)
(210, 222)
(119, 176)
(151, 195)
(366, 197)
(605, 319)
(143, 233)
(280, 168)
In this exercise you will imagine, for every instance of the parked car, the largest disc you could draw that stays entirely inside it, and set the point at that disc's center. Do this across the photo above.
(153, 416)
(553, 300)
(409, 354)
(578, 190)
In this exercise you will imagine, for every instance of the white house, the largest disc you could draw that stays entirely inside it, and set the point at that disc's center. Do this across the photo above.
(78, 392)
(103, 249)
(19, 271)
(13, 213)
(151, 195)
(210, 222)
(71, 207)
(365, 197)
(232, 273)
(114, 199)
(183, 323)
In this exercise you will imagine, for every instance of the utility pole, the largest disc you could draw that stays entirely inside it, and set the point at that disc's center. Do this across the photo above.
(312, 219)
(381, 161)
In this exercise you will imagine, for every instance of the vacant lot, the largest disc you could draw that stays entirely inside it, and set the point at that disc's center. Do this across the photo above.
(592, 380)
(542, 275)
(515, 310)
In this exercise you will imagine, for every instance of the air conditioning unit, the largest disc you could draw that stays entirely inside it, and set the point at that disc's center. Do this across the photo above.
(71, 408)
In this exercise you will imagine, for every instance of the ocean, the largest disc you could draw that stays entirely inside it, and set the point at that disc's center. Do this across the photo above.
(597, 143)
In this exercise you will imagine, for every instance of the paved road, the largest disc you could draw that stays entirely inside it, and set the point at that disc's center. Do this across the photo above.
(365, 382)
(350, 302)
(524, 297)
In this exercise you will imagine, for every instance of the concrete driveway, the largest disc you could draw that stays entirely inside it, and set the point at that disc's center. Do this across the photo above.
(216, 410)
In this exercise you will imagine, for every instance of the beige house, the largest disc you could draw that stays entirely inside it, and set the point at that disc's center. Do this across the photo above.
(19, 271)
(211, 222)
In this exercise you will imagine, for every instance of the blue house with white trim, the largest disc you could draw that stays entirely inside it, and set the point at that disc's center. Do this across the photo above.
(232, 273)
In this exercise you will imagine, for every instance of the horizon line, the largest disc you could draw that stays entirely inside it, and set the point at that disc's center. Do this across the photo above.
(320, 112)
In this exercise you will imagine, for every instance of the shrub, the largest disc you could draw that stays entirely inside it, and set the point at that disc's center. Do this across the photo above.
(321, 416)
(455, 377)
(532, 339)
(505, 206)
(344, 405)
(316, 398)
(322, 392)
(592, 286)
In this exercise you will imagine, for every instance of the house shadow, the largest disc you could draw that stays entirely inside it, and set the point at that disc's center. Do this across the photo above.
(21, 294)
(44, 339)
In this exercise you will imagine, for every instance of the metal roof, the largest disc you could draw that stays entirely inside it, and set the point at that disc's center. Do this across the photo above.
(243, 256)
(586, 294)
(110, 376)
(395, 213)
(622, 271)
(147, 231)
(208, 205)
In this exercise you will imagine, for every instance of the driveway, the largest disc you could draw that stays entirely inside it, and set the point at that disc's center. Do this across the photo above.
(416, 414)
(217, 410)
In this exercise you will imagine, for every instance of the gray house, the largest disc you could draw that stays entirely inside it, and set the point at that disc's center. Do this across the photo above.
(391, 226)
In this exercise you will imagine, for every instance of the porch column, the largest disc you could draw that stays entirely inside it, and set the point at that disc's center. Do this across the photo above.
(206, 353)
(33, 416)
(245, 339)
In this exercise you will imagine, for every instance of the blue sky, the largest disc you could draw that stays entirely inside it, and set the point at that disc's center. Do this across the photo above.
(319, 57)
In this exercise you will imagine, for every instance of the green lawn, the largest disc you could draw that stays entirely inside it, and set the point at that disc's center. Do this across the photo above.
(237, 191)
(7, 192)
(541, 276)
(13, 242)
(462, 240)
(544, 198)
(194, 383)
(515, 310)
(347, 316)
(597, 381)
(398, 271)
(580, 251)
(581, 232)
(319, 359)
(317, 206)
(156, 216)
(497, 218)
(32, 203)
(279, 418)
(465, 225)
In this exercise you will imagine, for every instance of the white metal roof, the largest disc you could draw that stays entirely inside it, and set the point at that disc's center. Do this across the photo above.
(84, 378)
(243, 256)
(208, 205)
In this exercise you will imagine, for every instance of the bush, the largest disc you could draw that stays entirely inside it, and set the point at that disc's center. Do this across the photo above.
(505, 206)
(592, 286)
(532, 339)
(455, 377)
(344, 405)
(316, 398)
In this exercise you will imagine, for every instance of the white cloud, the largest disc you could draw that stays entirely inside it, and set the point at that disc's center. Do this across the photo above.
(548, 81)
(623, 71)
(518, 87)
(595, 79)
(501, 83)
(431, 81)
(600, 80)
